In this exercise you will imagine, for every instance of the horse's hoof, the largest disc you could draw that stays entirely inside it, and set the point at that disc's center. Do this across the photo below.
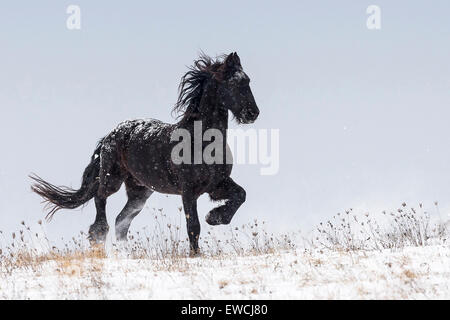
(213, 219)
(95, 241)
(121, 239)
(194, 253)
(97, 234)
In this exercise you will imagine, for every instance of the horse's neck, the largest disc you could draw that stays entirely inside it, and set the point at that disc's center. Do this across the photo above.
(216, 120)
(213, 118)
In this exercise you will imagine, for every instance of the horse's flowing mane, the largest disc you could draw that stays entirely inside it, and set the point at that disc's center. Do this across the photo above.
(192, 83)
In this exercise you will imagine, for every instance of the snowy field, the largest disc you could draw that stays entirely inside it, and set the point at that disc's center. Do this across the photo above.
(410, 273)
(403, 254)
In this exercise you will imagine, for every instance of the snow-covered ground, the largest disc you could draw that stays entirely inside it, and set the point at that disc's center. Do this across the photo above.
(409, 273)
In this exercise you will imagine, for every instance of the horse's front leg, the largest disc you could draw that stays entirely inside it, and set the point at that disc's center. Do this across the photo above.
(234, 196)
(193, 225)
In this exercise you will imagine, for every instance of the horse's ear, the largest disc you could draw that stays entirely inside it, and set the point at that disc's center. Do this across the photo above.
(232, 61)
(237, 59)
(229, 61)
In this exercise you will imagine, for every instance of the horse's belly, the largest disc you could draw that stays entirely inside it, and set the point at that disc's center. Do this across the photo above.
(151, 169)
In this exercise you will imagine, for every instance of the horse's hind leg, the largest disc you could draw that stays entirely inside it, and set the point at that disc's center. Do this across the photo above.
(99, 229)
(110, 178)
(137, 196)
(234, 196)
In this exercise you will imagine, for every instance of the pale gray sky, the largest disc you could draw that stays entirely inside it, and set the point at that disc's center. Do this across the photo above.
(363, 115)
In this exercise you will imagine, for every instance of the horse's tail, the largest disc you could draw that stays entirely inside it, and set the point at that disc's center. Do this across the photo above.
(59, 197)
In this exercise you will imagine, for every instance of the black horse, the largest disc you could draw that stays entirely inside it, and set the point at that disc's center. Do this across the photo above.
(139, 153)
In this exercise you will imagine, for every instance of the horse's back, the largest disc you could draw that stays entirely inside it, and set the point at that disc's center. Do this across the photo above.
(144, 152)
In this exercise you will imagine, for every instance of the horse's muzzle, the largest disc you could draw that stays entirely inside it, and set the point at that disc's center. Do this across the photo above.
(250, 116)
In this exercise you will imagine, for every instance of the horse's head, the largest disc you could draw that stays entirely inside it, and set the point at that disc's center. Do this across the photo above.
(234, 91)
(222, 80)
